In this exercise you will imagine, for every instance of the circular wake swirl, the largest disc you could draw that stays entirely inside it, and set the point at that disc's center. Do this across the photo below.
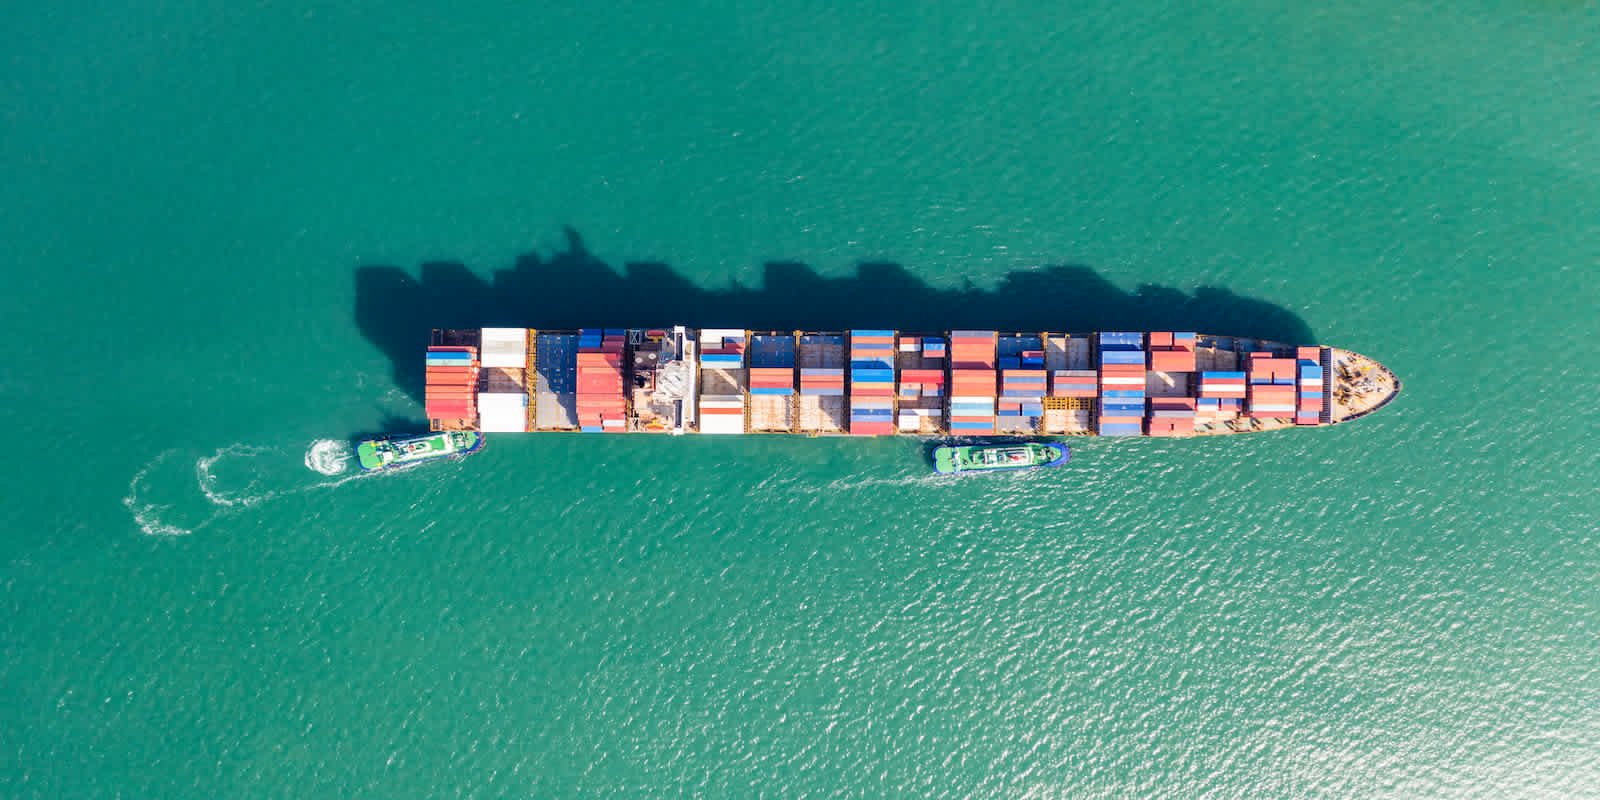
(164, 501)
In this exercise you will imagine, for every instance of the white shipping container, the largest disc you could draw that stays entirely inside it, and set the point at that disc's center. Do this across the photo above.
(504, 347)
(718, 334)
(502, 412)
(722, 423)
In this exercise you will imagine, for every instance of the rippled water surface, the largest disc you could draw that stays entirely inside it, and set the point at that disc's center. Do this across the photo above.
(227, 230)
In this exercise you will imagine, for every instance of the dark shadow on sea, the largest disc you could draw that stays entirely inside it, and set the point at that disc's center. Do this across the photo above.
(573, 289)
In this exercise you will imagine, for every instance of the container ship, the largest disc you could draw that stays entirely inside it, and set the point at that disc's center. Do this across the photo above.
(882, 382)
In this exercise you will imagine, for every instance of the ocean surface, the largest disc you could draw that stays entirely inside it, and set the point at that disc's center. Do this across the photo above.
(227, 228)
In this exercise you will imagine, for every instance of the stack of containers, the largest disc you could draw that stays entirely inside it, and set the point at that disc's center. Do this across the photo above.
(1226, 385)
(722, 349)
(452, 378)
(1172, 352)
(772, 365)
(871, 382)
(1122, 380)
(1021, 351)
(916, 384)
(1022, 394)
(826, 381)
(504, 347)
(1172, 416)
(1272, 386)
(1074, 383)
(600, 404)
(972, 382)
(932, 348)
(771, 380)
(502, 412)
(1022, 378)
(1309, 410)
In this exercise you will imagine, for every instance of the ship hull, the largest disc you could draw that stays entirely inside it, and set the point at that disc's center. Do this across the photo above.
(396, 452)
(962, 383)
(972, 459)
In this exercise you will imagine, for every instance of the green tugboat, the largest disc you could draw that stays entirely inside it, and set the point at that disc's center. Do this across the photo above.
(390, 453)
(949, 460)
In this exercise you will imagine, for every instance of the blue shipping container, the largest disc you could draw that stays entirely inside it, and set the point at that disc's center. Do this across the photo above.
(1119, 357)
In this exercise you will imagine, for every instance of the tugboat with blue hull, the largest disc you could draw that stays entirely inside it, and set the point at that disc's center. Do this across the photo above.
(960, 459)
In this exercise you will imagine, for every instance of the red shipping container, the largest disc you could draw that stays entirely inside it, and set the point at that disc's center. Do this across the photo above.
(871, 428)
(1170, 403)
(1161, 339)
(1172, 361)
(1309, 353)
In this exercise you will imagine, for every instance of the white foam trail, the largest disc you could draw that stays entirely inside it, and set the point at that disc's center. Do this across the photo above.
(148, 515)
(258, 467)
(843, 484)
(207, 477)
(328, 456)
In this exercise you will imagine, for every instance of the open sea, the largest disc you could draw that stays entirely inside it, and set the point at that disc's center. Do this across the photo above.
(227, 228)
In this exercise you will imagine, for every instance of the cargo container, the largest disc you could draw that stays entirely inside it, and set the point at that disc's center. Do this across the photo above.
(724, 381)
(773, 405)
(822, 402)
(920, 362)
(877, 382)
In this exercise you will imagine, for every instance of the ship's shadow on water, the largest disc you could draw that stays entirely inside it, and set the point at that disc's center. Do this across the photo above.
(396, 309)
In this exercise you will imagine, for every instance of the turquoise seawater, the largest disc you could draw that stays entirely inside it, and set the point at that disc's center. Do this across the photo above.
(226, 229)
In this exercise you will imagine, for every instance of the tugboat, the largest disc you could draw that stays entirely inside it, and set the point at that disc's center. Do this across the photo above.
(950, 460)
(389, 453)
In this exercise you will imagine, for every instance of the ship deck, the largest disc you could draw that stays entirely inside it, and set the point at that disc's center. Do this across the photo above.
(669, 388)
(821, 413)
(773, 413)
(1360, 385)
(556, 395)
(926, 406)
